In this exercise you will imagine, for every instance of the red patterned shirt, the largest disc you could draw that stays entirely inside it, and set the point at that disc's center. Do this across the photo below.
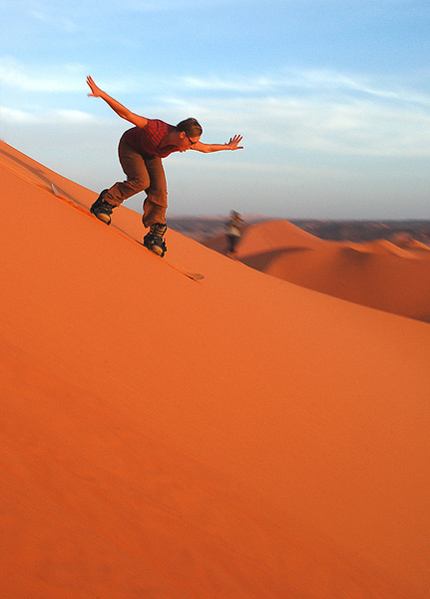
(146, 140)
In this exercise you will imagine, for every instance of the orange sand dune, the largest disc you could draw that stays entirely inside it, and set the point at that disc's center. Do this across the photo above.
(378, 274)
(414, 244)
(237, 437)
(381, 247)
(276, 235)
(405, 240)
(267, 237)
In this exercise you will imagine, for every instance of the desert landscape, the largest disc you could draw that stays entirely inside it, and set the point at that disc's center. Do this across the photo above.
(259, 434)
(393, 276)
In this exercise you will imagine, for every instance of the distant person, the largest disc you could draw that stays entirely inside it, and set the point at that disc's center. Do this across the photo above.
(234, 232)
(141, 150)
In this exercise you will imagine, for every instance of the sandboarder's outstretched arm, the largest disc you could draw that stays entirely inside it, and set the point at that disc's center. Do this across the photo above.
(232, 144)
(121, 110)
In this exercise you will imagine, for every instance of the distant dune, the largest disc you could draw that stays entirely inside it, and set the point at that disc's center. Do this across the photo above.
(240, 437)
(393, 277)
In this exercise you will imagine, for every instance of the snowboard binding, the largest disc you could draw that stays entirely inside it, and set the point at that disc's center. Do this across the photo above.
(154, 239)
(102, 209)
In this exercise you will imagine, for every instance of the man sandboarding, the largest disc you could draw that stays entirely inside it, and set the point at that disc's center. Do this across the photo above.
(141, 150)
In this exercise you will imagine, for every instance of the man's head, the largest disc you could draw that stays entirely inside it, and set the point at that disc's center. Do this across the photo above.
(189, 131)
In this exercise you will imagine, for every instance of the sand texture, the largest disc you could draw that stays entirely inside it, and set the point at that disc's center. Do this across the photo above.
(235, 438)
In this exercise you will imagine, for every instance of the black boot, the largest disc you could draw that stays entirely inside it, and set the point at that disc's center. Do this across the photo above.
(102, 209)
(154, 239)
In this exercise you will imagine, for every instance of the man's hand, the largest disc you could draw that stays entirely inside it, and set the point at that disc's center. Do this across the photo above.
(234, 142)
(96, 91)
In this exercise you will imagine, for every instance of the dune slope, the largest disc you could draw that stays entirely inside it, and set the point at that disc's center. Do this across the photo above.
(237, 437)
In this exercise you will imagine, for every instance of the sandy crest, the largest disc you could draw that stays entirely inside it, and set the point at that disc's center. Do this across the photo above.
(238, 437)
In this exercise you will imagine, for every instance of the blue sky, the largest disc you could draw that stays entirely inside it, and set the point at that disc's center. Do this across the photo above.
(332, 98)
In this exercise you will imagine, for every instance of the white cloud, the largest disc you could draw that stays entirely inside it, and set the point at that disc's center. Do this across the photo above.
(73, 116)
(47, 12)
(325, 80)
(232, 84)
(57, 118)
(60, 78)
(11, 115)
(307, 82)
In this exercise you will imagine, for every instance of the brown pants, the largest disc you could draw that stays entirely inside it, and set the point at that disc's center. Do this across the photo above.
(143, 174)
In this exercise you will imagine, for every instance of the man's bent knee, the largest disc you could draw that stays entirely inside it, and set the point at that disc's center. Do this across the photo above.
(137, 185)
